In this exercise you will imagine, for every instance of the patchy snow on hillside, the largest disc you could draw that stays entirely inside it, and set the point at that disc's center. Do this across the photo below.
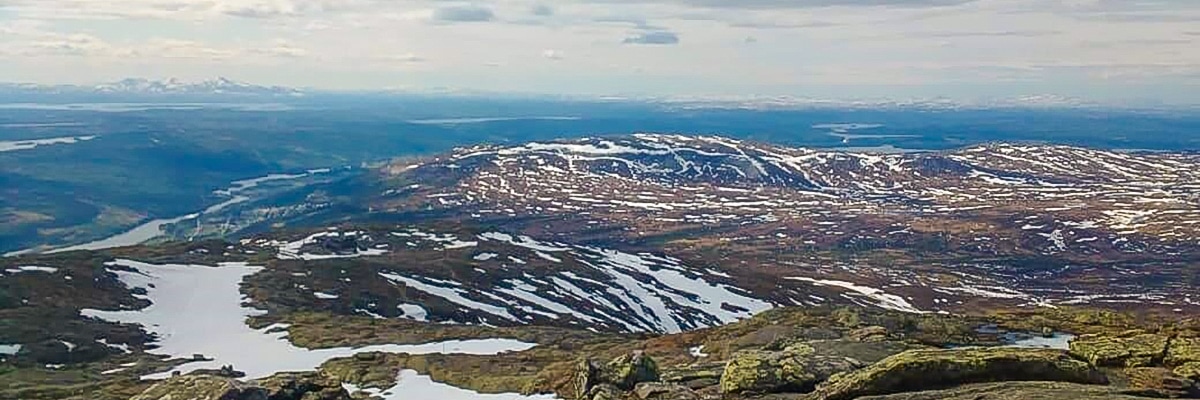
(198, 309)
(292, 250)
(877, 297)
(597, 286)
(451, 294)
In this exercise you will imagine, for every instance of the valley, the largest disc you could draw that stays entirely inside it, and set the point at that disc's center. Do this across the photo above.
(161, 155)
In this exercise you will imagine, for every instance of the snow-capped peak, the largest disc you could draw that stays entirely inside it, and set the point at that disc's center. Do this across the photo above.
(219, 85)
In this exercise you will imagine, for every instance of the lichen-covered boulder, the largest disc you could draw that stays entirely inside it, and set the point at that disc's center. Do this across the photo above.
(202, 387)
(1183, 351)
(753, 372)
(628, 370)
(587, 376)
(917, 370)
(1131, 349)
(663, 391)
(796, 369)
(623, 373)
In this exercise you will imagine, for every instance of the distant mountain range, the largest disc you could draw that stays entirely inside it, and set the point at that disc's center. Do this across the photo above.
(221, 86)
(171, 86)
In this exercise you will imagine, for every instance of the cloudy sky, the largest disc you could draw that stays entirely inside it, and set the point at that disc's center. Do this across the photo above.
(1095, 49)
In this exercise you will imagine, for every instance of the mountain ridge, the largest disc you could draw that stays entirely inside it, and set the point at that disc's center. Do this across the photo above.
(168, 86)
(647, 266)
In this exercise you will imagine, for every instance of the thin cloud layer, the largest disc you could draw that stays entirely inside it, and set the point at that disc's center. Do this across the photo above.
(818, 48)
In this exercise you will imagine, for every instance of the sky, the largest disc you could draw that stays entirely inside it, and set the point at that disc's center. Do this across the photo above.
(1101, 50)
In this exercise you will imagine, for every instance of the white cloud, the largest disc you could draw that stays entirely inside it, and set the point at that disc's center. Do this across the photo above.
(552, 54)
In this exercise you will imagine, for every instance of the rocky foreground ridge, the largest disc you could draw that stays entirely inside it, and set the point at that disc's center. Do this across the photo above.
(792, 354)
(784, 353)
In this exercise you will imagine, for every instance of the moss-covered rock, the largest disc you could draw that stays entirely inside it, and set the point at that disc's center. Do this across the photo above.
(1130, 349)
(1183, 351)
(916, 370)
(628, 370)
(587, 376)
(1157, 382)
(203, 387)
(1190, 370)
(795, 369)
(623, 373)
(752, 371)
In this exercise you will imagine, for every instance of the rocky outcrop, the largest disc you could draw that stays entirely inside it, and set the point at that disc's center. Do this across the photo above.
(623, 373)
(796, 369)
(1015, 391)
(695, 376)
(1129, 349)
(663, 391)
(303, 386)
(602, 391)
(927, 369)
(202, 387)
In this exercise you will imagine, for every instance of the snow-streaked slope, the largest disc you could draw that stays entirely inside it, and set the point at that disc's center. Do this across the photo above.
(599, 286)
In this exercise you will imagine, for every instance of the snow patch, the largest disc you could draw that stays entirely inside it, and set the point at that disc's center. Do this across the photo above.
(9, 349)
(31, 268)
(411, 385)
(198, 309)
